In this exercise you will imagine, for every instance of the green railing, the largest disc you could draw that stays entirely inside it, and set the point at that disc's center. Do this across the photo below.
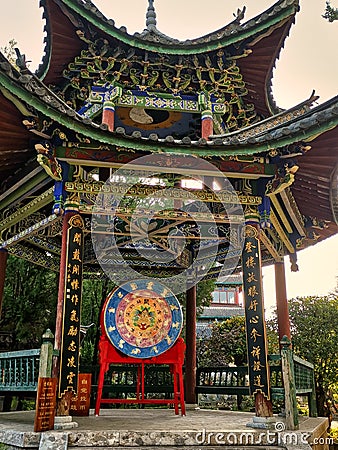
(303, 375)
(234, 380)
(19, 373)
(305, 382)
(19, 370)
(120, 381)
(226, 380)
(222, 380)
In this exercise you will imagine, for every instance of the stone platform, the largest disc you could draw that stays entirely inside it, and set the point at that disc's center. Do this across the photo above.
(159, 428)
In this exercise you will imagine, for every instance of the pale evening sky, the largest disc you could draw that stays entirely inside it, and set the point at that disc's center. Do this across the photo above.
(308, 61)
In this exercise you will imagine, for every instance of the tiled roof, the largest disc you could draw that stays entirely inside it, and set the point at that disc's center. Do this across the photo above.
(316, 126)
(292, 125)
(260, 39)
(221, 312)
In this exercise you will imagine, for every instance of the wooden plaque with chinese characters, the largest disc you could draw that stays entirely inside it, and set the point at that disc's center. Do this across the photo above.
(81, 403)
(259, 378)
(70, 344)
(45, 404)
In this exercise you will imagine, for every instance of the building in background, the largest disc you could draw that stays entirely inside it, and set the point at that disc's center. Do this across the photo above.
(226, 302)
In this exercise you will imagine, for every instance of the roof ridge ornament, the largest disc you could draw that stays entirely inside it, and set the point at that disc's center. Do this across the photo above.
(151, 16)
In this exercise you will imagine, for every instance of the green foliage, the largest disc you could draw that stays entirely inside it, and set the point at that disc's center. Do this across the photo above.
(30, 298)
(331, 14)
(272, 336)
(204, 290)
(28, 405)
(94, 294)
(314, 323)
(314, 331)
(333, 433)
(87, 351)
(226, 344)
(29, 304)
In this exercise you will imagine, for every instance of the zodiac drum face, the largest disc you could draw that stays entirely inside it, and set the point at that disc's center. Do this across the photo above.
(142, 318)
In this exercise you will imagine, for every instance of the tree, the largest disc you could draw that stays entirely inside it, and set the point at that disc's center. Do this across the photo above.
(331, 14)
(226, 344)
(314, 330)
(94, 295)
(29, 305)
(204, 290)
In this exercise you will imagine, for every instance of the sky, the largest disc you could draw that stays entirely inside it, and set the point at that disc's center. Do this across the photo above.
(308, 61)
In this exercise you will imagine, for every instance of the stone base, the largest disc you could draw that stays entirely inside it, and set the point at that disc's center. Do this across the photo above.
(53, 441)
(161, 429)
(191, 406)
(64, 423)
(266, 423)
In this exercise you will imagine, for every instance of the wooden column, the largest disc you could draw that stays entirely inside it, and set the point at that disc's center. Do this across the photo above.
(207, 124)
(63, 404)
(67, 331)
(259, 377)
(61, 291)
(282, 302)
(46, 354)
(3, 265)
(190, 340)
(206, 114)
(291, 407)
(108, 115)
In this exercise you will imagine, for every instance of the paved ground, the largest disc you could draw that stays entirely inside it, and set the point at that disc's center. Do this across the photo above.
(140, 420)
(151, 427)
(150, 420)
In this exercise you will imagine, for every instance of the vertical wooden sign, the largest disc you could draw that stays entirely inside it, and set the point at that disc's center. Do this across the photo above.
(254, 314)
(70, 344)
(45, 404)
(81, 403)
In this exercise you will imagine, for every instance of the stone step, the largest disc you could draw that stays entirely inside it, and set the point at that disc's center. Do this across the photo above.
(221, 447)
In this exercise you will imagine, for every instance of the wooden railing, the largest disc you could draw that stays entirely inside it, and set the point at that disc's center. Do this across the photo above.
(19, 374)
(120, 381)
(235, 380)
(228, 380)
(305, 382)
(19, 370)
(222, 380)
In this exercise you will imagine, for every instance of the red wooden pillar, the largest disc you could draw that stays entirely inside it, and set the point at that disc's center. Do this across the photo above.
(237, 291)
(108, 115)
(190, 340)
(3, 265)
(207, 124)
(281, 301)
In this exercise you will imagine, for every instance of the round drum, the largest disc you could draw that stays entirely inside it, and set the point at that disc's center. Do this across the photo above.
(142, 318)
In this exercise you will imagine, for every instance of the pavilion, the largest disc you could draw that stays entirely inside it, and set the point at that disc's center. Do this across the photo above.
(104, 102)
